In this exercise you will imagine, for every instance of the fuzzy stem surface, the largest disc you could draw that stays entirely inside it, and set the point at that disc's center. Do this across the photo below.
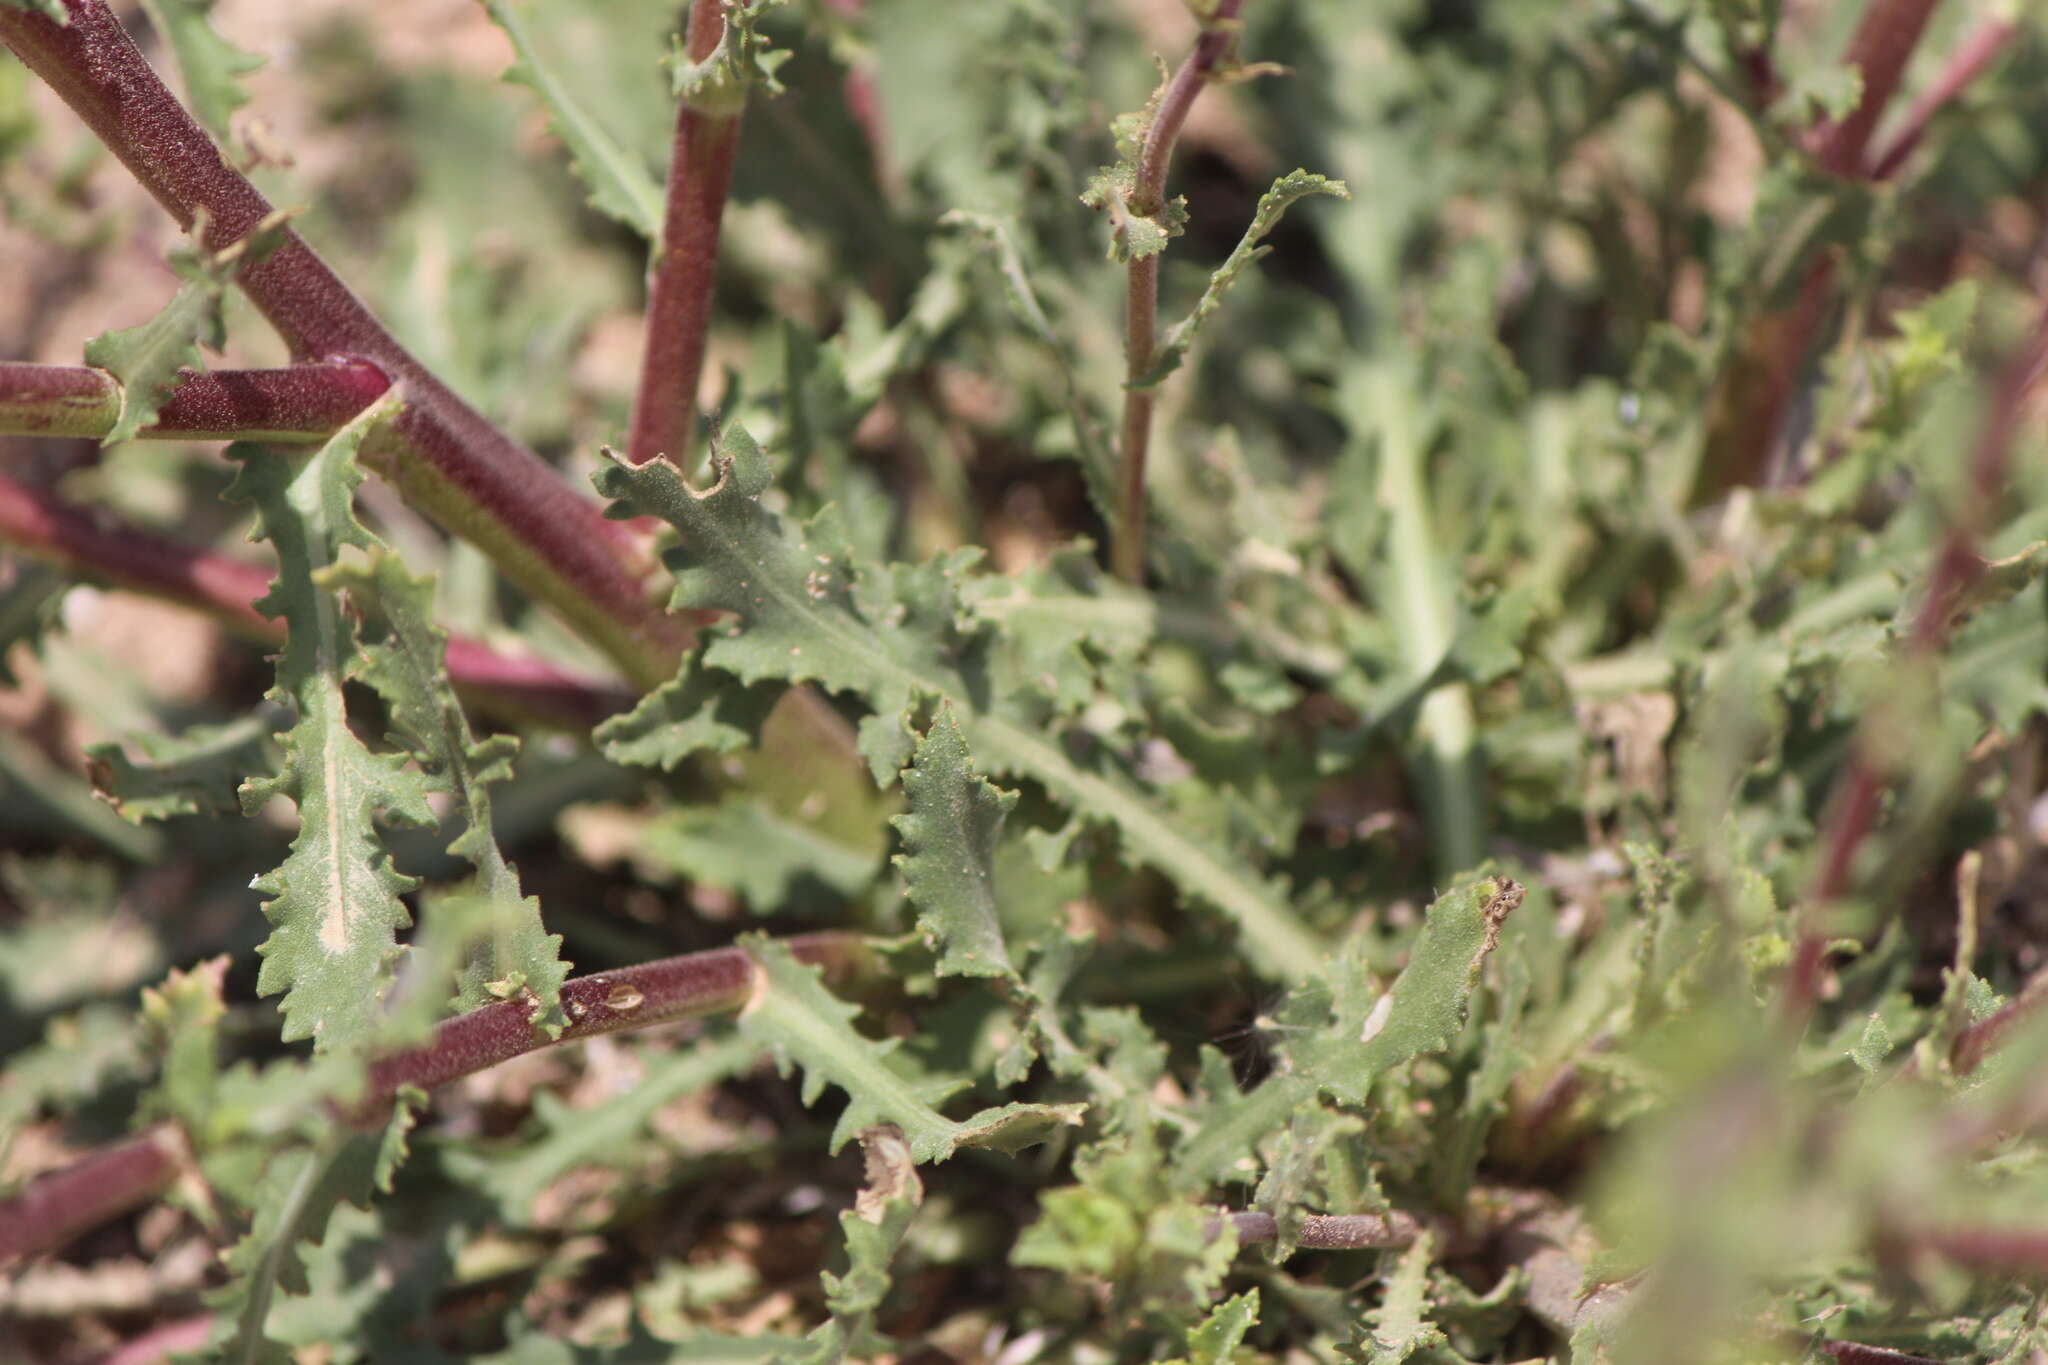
(442, 455)
(64, 1203)
(299, 403)
(1141, 293)
(685, 273)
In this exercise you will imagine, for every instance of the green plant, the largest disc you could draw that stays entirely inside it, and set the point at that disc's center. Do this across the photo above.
(1523, 846)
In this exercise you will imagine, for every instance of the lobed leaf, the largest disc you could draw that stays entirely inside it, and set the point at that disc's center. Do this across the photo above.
(211, 66)
(1400, 1327)
(803, 1024)
(1216, 1340)
(874, 1228)
(1424, 1010)
(697, 711)
(895, 635)
(193, 773)
(620, 185)
(948, 863)
(404, 659)
(334, 902)
(742, 62)
(146, 358)
(1273, 205)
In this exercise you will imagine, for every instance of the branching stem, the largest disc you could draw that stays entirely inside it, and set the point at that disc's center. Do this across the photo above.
(1141, 295)
(298, 403)
(1971, 60)
(444, 456)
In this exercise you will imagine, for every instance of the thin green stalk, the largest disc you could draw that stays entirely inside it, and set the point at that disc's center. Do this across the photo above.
(1423, 606)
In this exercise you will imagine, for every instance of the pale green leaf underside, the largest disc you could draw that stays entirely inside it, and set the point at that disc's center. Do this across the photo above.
(894, 636)
(334, 903)
(148, 356)
(211, 66)
(802, 1023)
(619, 184)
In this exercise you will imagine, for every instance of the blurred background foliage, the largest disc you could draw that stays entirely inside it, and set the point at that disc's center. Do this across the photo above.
(1480, 535)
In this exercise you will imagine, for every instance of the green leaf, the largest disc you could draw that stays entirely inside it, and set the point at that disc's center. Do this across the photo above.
(182, 1017)
(800, 1022)
(1000, 235)
(893, 635)
(1133, 235)
(1216, 1340)
(334, 902)
(742, 62)
(809, 612)
(1053, 617)
(1425, 1008)
(146, 358)
(1400, 1326)
(949, 838)
(404, 658)
(300, 1189)
(619, 184)
(606, 1134)
(697, 711)
(193, 773)
(874, 1228)
(746, 845)
(210, 65)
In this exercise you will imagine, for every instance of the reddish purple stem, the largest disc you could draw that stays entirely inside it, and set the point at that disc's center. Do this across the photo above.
(1141, 289)
(1970, 61)
(108, 551)
(632, 997)
(453, 462)
(1746, 412)
(64, 1203)
(1883, 44)
(161, 1343)
(1331, 1231)
(1852, 812)
(297, 403)
(686, 265)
